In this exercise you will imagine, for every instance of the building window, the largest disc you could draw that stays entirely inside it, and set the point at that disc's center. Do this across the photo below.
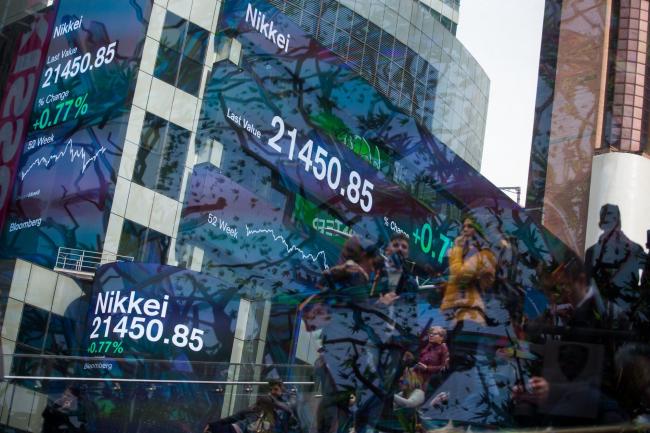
(181, 54)
(143, 243)
(161, 157)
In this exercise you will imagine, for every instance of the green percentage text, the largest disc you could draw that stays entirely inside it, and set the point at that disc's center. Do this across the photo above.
(61, 112)
(105, 346)
(424, 237)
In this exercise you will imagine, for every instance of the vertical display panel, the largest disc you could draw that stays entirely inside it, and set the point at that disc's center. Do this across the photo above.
(67, 171)
(24, 49)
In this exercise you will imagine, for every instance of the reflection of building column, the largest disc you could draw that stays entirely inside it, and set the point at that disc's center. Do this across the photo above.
(247, 353)
(630, 75)
(620, 178)
(578, 106)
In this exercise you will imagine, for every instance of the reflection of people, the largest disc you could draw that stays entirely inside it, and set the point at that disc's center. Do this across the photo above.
(270, 414)
(396, 252)
(410, 395)
(633, 372)
(66, 414)
(614, 263)
(582, 306)
(434, 357)
(356, 267)
(396, 285)
(472, 269)
(363, 338)
(570, 390)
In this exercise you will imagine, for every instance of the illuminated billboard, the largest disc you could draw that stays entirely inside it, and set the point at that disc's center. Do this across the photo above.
(311, 160)
(151, 311)
(24, 48)
(67, 171)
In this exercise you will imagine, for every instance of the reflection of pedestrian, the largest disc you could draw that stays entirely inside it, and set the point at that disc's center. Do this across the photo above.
(362, 337)
(355, 269)
(472, 269)
(409, 397)
(270, 414)
(614, 263)
(399, 278)
(570, 390)
(67, 414)
(434, 356)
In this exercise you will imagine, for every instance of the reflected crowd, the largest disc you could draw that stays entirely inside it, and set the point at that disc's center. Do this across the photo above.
(401, 353)
(403, 347)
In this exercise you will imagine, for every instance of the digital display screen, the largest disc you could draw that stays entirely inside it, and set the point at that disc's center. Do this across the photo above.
(150, 311)
(24, 48)
(334, 157)
(297, 155)
(68, 168)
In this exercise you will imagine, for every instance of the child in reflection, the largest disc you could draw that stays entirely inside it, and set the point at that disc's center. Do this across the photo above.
(434, 357)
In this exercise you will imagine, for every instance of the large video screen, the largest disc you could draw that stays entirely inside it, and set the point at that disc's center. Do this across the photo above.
(147, 311)
(67, 171)
(23, 48)
(317, 194)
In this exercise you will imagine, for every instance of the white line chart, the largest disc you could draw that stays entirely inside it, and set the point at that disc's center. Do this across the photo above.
(68, 149)
(290, 249)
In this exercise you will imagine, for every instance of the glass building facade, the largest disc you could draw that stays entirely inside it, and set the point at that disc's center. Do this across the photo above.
(412, 58)
(215, 219)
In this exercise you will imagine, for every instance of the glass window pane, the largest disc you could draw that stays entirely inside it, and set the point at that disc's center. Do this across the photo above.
(173, 32)
(196, 43)
(143, 244)
(309, 23)
(153, 132)
(189, 76)
(167, 65)
(374, 33)
(60, 335)
(329, 12)
(344, 20)
(145, 172)
(326, 33)
(32, 326)
(172, 165)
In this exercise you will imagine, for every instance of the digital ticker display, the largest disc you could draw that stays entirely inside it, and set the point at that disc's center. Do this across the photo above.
(310, 155)
(152, 311)
(306, 135)
(68, 168)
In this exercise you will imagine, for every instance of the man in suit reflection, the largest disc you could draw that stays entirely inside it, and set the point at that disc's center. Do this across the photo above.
(614, 262)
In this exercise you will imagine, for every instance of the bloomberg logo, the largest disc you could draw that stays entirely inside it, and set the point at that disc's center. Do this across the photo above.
(21, 88)
(259, 22)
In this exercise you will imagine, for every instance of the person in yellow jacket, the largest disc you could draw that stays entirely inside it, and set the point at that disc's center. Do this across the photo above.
(472, 270)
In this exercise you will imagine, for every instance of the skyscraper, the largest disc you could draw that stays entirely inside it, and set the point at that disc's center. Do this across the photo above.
(408, 51)
(592, 117)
